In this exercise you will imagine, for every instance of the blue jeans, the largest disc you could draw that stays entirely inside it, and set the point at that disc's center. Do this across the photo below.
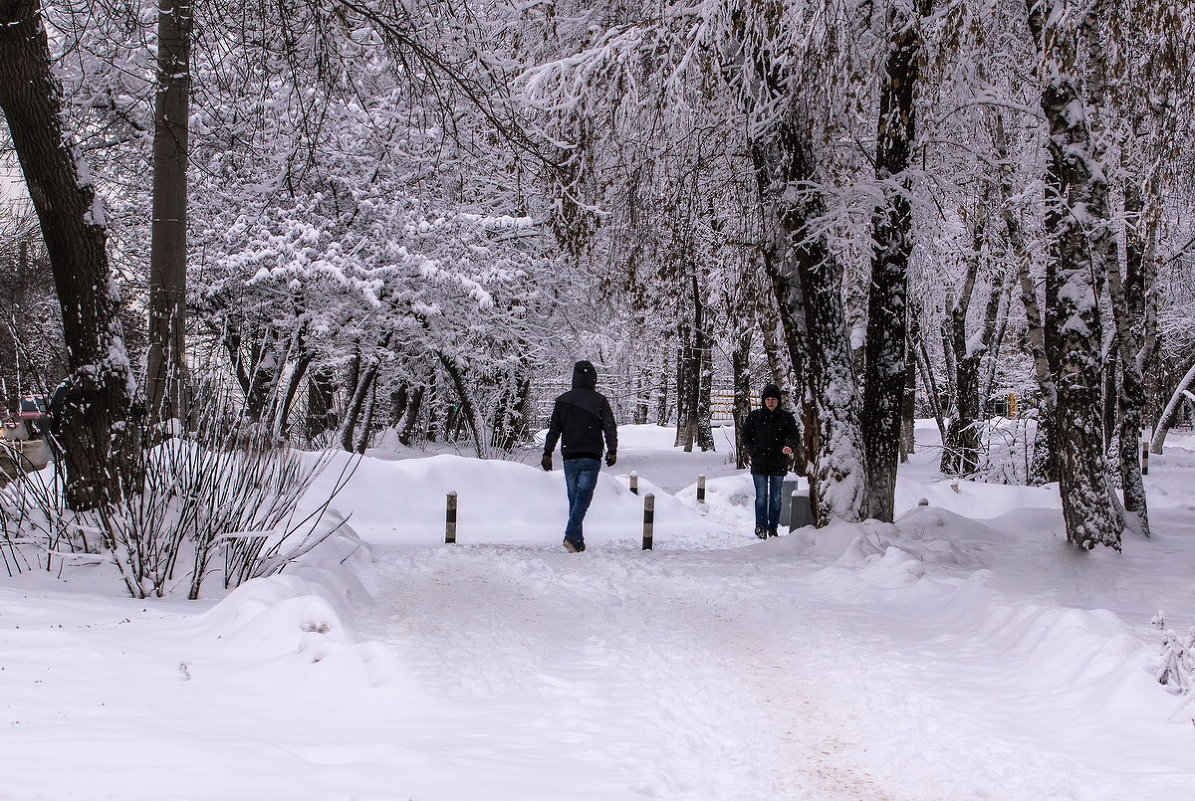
(767, 500)
(580, 478)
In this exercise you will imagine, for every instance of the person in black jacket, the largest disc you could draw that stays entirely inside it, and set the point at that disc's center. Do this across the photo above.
(580, 419)
(770, 436)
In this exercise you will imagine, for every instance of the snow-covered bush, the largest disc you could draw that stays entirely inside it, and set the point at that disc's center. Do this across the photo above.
(225, 506)
(1177, 672)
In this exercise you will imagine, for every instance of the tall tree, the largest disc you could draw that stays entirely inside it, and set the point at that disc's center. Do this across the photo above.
(887, 311)
(166, 368)
(1082, 247)
(95, 425)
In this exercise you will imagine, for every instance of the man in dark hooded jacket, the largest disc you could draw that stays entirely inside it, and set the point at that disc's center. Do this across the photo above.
(770, 436)
(580, 419)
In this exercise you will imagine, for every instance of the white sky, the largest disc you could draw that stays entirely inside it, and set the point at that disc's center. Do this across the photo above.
(940, 659)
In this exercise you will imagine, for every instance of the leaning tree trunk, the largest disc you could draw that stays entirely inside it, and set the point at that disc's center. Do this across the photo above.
(166, 361)
(892, 223)
(468, 408)
(1166, 419)
(1081, 249)
(96, 428)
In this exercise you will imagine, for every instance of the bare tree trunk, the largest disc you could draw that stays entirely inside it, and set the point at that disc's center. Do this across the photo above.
(1133, 304)
(892, 223)
(355, 408)
(1044, 468)
(1166, 419)
(97, 428)
(663, 406)
(166, 360)
(908, 413)
(408, 431)
(703, 372)
(686, 392)
(467, 408)
(321, 396)
(963, 444)
(771, 346)
(808, 279)
(740, 365)
(1081, 250)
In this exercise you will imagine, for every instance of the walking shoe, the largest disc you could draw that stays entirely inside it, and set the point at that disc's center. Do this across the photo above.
(573, 547)
(772, 533)
(761, 532)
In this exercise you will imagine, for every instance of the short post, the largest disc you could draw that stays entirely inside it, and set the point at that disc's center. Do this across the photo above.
(634, 483)
(450, 519)
(701, 489)
(649, 519)
(1145, 458)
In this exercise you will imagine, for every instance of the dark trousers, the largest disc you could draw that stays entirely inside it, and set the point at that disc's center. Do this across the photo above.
(580, 479)
(767, 500)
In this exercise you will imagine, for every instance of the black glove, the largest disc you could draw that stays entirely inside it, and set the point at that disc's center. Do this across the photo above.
(611, 458)
(546, 462)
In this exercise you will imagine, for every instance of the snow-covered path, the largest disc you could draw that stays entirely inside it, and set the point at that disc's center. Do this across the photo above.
(746, 674)
(616, 675)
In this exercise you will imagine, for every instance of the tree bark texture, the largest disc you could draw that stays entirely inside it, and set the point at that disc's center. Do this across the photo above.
(1043, 468)
(892, 223)
(96, 428)
(321, 399)
(166, 360)
(686, 391)
(740, 365)
(808, 282)
(1081, 248)
(1133, 304)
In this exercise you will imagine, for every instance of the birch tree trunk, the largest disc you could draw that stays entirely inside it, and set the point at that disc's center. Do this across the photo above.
(1081, 250)
(96, 429)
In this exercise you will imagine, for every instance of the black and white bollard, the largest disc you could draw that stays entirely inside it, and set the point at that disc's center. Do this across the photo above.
(701, 489)
(1145, 458)
(634, 483)
(649, 519)
(450, 519)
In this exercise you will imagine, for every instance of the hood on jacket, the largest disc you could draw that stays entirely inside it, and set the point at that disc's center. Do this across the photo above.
(584, 375)
(770, 391)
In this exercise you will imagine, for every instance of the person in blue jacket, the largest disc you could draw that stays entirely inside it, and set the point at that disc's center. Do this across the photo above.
(770, 436)
(581, 418)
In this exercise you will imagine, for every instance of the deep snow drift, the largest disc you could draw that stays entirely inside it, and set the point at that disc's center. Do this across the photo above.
(963, 653)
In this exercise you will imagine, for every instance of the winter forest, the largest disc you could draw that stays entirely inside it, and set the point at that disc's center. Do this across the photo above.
(247, 228)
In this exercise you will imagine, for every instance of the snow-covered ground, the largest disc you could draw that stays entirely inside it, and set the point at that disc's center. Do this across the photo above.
(964, 653)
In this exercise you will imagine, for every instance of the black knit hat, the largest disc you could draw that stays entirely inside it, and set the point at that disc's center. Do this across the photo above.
(584, 375)
(770, 391)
